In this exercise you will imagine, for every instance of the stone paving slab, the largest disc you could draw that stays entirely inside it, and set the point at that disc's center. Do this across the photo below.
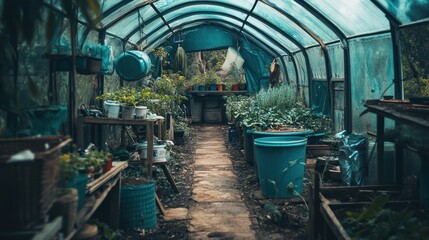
(206, 142)
(213, 160)
(219, 212)
(204, 146)
(219, 224)
(231, 209)
(214, 182)
(205, 194)
(221, 236)
(176, 214)
(210, 151)
(213, 168)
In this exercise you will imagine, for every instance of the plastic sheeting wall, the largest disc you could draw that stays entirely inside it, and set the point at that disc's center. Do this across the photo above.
(371, 74)
(303, 77)
(256, 65)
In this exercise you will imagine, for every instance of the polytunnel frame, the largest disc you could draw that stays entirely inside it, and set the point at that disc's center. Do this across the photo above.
(395, 25)
(245, 11)
(255, 41)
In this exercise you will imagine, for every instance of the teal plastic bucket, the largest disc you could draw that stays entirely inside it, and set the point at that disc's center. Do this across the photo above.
(138, 207)
(132, 65)
(257, 134)
(79, 182)
(281, 163)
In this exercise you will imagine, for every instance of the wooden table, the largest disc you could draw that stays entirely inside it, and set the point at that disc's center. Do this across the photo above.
(401, 112)
(149, 123)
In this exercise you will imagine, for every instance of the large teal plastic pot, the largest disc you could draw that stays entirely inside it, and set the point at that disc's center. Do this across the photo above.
(257, 134)
(281, 163)
(132, 65)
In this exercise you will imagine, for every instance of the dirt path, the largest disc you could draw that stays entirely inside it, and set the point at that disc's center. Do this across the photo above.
(219, 211)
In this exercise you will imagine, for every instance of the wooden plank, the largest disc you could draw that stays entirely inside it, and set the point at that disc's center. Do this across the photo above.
(85, 214)
(118, 121)
(333, 223)
(50, 230)
(117, 167)
(409, 117)
(149, 138)
(159, 204)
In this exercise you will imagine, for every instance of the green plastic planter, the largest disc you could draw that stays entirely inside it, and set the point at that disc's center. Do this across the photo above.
(138, 206)
(257, 134)
(79, 182)
(281, 161)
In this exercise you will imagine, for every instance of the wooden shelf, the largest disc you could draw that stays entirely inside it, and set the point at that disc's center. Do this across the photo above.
(45, 231)
(117, 167)
(92, 205)
(403, 112)
(118, 121)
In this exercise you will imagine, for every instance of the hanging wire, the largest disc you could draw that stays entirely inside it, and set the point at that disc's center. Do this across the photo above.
(141, 26)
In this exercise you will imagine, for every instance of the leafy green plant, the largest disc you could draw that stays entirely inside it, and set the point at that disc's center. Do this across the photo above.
(283, 98)
(211, 78)
(69, 167)
(377, 222)
(107, 233)
(180, 61)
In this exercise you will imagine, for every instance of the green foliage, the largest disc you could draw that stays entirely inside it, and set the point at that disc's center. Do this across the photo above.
(415, 58)
(69, 167)
(283, 98)
(96, 159)
(180, 61)
(107, 233)
(377, 222)
(212, 78)
(237, 107)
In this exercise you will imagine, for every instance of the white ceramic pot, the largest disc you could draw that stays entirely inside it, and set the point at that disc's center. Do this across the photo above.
(112, 108)
(141, 112)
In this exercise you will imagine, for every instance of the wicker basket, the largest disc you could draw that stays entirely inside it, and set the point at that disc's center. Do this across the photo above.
(28, 187)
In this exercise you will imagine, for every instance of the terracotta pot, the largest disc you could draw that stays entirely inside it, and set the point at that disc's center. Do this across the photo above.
(107, 166)
(220, 87)
(235, 87)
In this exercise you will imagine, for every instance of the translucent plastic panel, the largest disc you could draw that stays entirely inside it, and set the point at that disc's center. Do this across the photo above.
(163, 5)
(264, 39)
(159, 33)
(353, 17)
(284, 23)
(278, 36)
(317, 62)
(146, 12)
(107, 5)
(307, 19)
(147, 29)
(336, 55)
(302, 73)
(131, 22)
(371, 74)
(290, 71)
(202, 9)
(407, 10)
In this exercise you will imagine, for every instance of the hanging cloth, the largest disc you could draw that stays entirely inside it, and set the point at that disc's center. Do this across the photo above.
(274, 73)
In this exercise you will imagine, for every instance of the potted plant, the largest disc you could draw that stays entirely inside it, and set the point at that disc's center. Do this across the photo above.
(211, 80)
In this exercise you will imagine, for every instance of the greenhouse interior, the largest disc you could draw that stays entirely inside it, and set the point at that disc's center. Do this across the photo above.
(188, 119)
